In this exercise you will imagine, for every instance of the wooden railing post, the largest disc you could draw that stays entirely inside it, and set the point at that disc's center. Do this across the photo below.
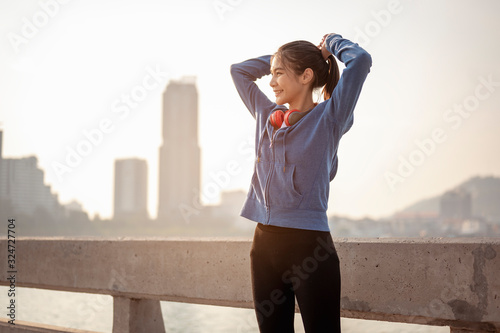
(137, 316)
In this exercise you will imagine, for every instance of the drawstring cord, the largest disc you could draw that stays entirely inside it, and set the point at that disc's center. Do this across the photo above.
(284, 151)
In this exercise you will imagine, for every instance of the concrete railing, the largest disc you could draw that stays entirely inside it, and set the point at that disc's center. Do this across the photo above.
(446, 282)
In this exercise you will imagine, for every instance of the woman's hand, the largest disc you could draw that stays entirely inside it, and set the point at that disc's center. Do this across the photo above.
(322, 47)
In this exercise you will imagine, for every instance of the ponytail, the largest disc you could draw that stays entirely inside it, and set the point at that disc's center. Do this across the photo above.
(332, 78)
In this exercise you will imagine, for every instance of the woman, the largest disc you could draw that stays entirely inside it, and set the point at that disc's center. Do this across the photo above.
(292, 254)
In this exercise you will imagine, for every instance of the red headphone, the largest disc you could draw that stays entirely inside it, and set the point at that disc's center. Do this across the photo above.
(290, 117)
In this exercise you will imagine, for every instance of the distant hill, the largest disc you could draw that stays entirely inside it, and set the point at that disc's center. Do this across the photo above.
(485, 193)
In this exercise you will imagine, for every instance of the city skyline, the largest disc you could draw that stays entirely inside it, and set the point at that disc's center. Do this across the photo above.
(468, 209)
(425, 122)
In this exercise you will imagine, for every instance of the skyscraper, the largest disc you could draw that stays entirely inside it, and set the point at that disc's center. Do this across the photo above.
(131, 189)
(179, 168)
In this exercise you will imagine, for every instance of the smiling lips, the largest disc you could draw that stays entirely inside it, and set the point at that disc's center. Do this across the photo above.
(277, 92)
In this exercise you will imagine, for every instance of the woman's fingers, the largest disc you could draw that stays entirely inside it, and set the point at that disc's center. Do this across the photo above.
(321, 44)
(322, 47)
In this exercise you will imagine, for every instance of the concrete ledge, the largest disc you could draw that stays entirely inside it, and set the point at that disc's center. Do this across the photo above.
(446, 282)
(28, 327)
(452, 282)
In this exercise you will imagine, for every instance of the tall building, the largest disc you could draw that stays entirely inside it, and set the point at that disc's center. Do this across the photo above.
(179, 161)
(131, 189)
(22, 186)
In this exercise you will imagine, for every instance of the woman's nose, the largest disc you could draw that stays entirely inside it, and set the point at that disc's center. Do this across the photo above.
(272, 83)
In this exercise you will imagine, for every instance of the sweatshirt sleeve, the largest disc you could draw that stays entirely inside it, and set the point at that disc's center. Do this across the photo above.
(345, 95)
(244, 76)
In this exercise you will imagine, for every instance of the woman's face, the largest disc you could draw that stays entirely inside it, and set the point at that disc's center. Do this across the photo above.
(285, 83)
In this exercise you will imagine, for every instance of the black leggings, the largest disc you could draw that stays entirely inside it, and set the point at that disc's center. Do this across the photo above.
(288, 263)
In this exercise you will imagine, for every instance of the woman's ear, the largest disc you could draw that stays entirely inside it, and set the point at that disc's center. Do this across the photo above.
(307, 77)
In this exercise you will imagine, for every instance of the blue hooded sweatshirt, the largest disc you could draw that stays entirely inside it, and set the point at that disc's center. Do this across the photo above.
(294, 165)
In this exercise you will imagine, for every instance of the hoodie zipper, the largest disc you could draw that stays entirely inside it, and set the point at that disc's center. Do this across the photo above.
(269, 175)
(271, 171)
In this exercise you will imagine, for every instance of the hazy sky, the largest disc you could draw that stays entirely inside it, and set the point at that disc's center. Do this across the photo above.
(427, 118)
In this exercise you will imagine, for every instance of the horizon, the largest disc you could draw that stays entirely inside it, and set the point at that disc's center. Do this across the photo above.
(425, 122)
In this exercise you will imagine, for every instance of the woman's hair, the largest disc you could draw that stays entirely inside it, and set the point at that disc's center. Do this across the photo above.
(299, 55)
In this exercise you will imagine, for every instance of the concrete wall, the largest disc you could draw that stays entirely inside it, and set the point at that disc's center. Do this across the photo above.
(451, 282)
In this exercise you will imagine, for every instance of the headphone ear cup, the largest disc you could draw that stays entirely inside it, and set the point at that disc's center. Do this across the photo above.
(292, 116)
(276, 118)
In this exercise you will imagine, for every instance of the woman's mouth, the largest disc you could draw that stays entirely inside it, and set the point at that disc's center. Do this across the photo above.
(277, 92)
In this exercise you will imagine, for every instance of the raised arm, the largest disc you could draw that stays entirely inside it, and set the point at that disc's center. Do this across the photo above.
(244, 76)
(345, 95)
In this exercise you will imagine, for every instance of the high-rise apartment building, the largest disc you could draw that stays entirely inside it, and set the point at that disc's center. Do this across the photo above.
(22, 186)
(131, 189)
(179, 160)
